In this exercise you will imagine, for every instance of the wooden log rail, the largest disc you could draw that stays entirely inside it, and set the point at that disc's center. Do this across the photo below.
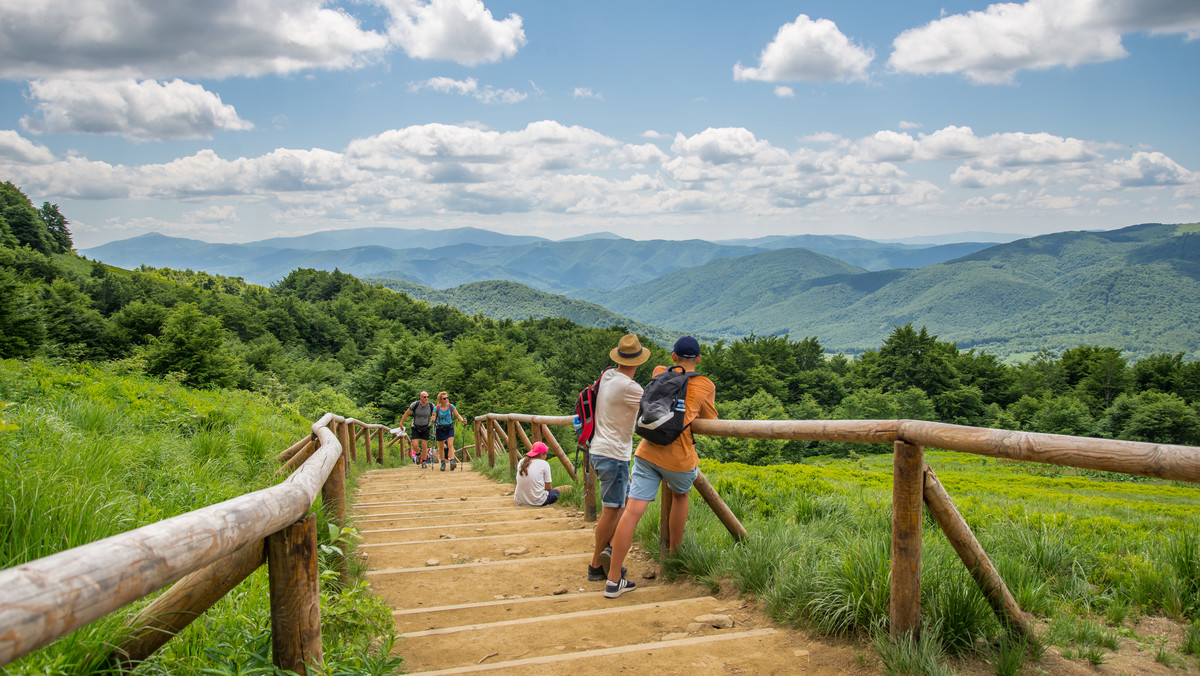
(205, 553)
(914, 485)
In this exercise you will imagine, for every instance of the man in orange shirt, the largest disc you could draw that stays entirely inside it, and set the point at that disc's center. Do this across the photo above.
(675, 463)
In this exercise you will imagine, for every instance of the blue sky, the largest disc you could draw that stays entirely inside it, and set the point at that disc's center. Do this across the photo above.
(235, 120)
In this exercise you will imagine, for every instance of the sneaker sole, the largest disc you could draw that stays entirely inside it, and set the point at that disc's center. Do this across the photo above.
(622, 590)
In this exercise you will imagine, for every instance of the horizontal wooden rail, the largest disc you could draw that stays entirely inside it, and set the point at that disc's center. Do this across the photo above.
(46, 599)
(1161, 461)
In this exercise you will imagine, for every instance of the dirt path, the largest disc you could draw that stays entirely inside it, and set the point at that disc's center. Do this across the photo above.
(480, 584)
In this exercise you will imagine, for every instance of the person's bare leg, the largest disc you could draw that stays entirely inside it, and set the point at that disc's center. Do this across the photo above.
(605, 526)
(678, 518)
(622, 538)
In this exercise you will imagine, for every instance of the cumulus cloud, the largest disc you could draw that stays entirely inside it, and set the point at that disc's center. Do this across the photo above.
(463, 31)
(142, 111)
(468, 87)
(586, 93)
(461, 171)
(993, 45)
(784, 92)
(810, 51)
(76, 39)
(148, 39)
(20, 150)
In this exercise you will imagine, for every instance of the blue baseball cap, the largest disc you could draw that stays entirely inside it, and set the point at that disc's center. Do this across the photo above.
(687, 347)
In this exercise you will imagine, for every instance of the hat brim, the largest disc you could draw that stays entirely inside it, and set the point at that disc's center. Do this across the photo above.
(615, 355)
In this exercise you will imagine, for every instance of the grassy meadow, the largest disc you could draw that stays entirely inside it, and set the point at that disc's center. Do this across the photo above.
(90, 451)
(1087, 553)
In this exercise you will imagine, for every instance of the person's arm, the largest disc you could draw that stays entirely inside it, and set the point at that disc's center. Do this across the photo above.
(547, 476)
(405, 416)
(457, 414)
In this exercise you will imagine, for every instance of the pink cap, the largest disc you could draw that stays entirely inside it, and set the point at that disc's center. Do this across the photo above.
(538, 449)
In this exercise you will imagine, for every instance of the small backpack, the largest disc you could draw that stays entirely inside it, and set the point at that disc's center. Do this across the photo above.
(661, 412)
(585, 411)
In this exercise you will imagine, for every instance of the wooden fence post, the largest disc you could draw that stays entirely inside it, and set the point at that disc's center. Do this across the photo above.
(557, 448)
(511, 440)
(295, 599)
(718, 506)
(343, 434)
(975, 559)
(333, 496)
(535, 430)
(380, 444)
(524, 437)
(908, 462)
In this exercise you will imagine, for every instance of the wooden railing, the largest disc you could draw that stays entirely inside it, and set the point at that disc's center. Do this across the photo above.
(491, 439)
(205, 553)
(913, 484)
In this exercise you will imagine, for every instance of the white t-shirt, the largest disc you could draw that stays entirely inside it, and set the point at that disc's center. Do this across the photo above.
(531, 488)
(616, 412)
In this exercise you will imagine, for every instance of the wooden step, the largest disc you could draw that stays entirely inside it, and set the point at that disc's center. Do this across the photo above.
(417, 619)
(709, 654)
(515, 577)
(618, 624)
(470, 549)
(375, 537)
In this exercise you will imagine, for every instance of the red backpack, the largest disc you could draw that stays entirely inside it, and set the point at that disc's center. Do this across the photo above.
(585, 412)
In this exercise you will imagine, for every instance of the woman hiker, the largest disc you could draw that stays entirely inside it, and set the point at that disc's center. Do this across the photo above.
(443, 429)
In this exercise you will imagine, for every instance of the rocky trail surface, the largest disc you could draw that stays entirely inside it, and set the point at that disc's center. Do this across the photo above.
(481, 585)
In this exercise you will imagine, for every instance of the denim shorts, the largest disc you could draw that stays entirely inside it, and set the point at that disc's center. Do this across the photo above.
(647, 476)
(551, 497)
(614, 480)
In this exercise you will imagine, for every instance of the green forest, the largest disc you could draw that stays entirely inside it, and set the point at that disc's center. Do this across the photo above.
(326, 341)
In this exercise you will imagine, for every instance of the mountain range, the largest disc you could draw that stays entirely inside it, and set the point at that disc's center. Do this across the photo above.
(1137, 288)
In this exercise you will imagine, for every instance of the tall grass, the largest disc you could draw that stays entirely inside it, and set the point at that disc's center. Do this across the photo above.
(98, 451)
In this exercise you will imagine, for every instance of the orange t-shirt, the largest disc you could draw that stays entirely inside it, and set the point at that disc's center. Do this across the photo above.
(680, 455)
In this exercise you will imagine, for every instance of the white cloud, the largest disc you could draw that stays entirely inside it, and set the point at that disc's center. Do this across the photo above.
(722, 146)
(785, 92)
(107, 39)
(460, 172)
(469, 87)
(463, 31)
(141, 111)
(992, 45)
(586, 93)
(905, 124)
(18, 149)
(887, 146)
(811, 51)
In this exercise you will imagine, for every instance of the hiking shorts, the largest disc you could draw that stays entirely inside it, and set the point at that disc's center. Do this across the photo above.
(420, 433)
(647, 476)
(445, 432)
(614, 480)
(551, 497)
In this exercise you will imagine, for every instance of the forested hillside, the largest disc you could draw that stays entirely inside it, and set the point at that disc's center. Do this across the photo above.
(328, 341)
(1136, 289)
(509, 300)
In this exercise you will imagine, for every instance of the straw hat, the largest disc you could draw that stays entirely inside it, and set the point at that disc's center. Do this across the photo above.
(629, 352)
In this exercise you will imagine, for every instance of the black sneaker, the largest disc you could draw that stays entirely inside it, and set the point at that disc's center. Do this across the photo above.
(443, 465)
(614, 589)
(596, 574)
(606, 560)
(453, 464)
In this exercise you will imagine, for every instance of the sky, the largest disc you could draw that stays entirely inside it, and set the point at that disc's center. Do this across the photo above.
(239, 120)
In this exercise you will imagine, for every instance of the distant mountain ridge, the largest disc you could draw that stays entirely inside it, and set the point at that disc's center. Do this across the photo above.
(1136, 288)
